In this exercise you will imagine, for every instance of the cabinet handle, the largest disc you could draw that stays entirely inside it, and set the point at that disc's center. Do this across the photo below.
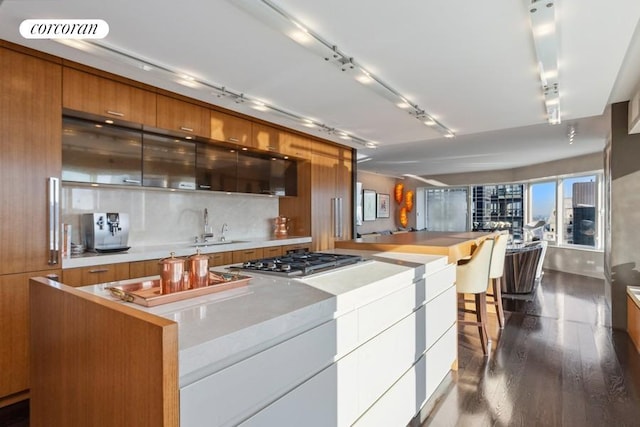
(99, 270)
(206, 187)
(233, 139)
(271, 148)
(337, 217)
(53, 202)
(131, 181)
(186, 129)
(115, 113)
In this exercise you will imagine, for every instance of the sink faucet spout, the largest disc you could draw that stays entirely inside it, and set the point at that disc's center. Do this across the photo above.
(207, 230)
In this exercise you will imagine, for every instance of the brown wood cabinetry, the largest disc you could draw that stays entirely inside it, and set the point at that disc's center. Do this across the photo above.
(272, 251)
(329, 175)
(265, 137)
(295, 145)
(228, 128)
(220, 258)
(268, 138)
(89, 93)
(331, 195)
(96, 274)
(30, 142)
(14, 332)
(246, 255)
(144, 268)
(298, 247)
(181, 116)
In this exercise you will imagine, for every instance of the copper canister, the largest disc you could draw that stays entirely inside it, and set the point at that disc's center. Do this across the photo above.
(171, 271)
(199, 270)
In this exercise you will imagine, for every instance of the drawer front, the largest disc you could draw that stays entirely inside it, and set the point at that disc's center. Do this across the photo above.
(440, 358)
(298, 247)
(217, 399)
(220, 258)
(98, 274)
(437, 282)
(270, 252)
(384, 312)
(441, 314)
(383, 359)
(246, 255)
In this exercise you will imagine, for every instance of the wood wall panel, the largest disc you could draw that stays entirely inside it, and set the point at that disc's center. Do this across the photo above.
(73, 383)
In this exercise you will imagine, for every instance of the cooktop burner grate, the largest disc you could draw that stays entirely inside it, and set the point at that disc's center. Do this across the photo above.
(300, 263)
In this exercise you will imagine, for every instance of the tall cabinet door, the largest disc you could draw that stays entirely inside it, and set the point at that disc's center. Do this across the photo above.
(30, 143)
(331, 187)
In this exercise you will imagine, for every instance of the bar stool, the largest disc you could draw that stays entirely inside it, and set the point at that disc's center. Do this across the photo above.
(472, 276)
(496, 272)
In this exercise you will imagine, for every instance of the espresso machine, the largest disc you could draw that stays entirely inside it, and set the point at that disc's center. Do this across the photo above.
(105, 232)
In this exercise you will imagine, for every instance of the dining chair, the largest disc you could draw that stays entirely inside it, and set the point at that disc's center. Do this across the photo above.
(472, 276)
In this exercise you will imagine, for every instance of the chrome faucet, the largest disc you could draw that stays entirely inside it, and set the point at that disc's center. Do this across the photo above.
(222, 230)
(207, 230)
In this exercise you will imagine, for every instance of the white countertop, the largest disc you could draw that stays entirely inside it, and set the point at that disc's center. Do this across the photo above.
(142, 253)
(222, 328)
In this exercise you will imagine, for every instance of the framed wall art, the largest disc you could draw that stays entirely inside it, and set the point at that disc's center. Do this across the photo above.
(382, 208)
(368, 205)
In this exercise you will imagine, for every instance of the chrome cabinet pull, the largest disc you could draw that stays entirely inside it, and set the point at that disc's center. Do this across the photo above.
(233, 139)
(340, 217)
(186, 129)
(131, 181)
(99, 270)
(115, 113)
(53, 201)
(206, 187)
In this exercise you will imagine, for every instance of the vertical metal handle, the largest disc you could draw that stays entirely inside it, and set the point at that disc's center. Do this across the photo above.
(53, 203)
(337, 216)
(340, 217)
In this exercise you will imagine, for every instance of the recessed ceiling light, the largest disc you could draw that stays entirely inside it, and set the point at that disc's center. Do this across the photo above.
(109, 121)
(430, 122)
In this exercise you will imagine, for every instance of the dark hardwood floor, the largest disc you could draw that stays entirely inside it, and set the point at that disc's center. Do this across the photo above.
(557, 362)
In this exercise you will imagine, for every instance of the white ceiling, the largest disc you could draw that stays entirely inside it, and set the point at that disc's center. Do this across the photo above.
(472, 65)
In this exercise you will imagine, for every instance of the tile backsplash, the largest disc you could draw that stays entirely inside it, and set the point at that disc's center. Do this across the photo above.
(159, 216)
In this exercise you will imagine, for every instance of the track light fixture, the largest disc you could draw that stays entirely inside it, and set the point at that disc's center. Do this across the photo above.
(292, 27)
(545, 38)
(571, 133)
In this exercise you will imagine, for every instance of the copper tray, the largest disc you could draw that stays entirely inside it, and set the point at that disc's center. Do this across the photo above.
(147, 292)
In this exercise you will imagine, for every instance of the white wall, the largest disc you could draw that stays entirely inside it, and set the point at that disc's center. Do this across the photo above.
(161, 216)
(381, 184)
(576, 261)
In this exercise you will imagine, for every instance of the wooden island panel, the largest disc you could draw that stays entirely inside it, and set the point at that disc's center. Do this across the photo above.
(453, 245)
(114, 365)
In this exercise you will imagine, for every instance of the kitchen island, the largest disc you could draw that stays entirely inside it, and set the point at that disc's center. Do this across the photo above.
(454, 245)
(365, 344)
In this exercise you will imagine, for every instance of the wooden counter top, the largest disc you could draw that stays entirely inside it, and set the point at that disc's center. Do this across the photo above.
(454, 245)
